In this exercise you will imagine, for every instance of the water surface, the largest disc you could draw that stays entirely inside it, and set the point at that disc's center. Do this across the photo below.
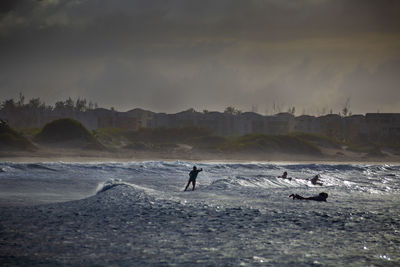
(136, 213)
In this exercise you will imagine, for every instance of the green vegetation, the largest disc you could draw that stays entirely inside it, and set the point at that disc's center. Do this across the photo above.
(161, 139)
(391, 144)
(11, 139)
(203, 139)
(261, 143)
(209, 142)
(374, 149)
(167, 135)
(370, 150)
(67, 130)
(111, 136)
(36, 104)
(318, 140)
(359, 148)
(375, 152)
(197, 138)
(232, 110)
(30, 133)
(140, 146)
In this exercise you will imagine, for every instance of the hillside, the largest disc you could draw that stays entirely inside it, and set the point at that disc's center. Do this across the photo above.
(12, 140)
(168, 135)
(68, 138)
(261, 143)
(200, 139)
(67, 133)
(111, 137)
(318, 140)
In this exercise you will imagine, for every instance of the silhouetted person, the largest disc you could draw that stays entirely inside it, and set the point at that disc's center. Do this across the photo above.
(321, 197)
(284, 176)
(314, 180)
(192, 177)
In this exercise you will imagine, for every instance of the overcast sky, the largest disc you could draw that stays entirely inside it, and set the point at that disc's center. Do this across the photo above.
(171, 55)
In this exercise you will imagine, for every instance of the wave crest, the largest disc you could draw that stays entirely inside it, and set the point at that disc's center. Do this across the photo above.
(107, 185)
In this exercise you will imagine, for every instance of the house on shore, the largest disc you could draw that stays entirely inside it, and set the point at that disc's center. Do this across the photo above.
(355, 128)
(307, 124)
(379, 127)
(383, 126)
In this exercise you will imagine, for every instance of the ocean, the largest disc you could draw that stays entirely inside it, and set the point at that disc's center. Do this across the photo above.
(136, 214)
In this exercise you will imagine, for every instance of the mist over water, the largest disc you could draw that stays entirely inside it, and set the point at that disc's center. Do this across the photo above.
(240, 214)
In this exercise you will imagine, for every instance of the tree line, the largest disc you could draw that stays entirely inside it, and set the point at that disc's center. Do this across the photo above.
(80, 104)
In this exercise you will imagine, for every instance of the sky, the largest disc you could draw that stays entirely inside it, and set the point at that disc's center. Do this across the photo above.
(172, 55)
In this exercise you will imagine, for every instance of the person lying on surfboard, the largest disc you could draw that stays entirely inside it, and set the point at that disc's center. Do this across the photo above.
(192, 177)
(314, 180)
(284, 176)
(321, 197)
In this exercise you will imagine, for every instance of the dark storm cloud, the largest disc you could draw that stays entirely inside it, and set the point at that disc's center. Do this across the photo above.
(8, 5)
(134, 84)
(168, 55)
(171, 21)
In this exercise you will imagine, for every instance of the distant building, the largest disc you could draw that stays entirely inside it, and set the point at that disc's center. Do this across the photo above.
(88, 119)
(380, 127)
(251, 122)
(332, 126)
(126, 123)
(281, 123)
(219, 123)
(307, 124)
(213, 121)
(108, 118)
(383, 126)
(143, 117)
(158, 120)
(187, 118)
(105, 117)
(355, 128)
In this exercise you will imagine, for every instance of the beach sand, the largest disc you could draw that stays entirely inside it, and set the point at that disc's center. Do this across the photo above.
(82, 155)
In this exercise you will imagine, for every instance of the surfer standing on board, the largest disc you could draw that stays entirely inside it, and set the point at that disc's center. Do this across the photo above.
(192, 177)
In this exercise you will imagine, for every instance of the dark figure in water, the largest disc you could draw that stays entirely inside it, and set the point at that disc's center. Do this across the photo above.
(321, 197)
(314, 180)
(284, 176)
(192, 177)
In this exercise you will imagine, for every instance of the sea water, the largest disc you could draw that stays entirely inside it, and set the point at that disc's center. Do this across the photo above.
(136, 213)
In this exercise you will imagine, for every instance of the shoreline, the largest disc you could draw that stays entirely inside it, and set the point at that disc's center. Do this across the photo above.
(123, 156)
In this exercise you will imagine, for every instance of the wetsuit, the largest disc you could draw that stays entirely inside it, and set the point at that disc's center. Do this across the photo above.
(317, 198)
(320, 197)
(193, 174)
(192, 178)
(314, 181)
